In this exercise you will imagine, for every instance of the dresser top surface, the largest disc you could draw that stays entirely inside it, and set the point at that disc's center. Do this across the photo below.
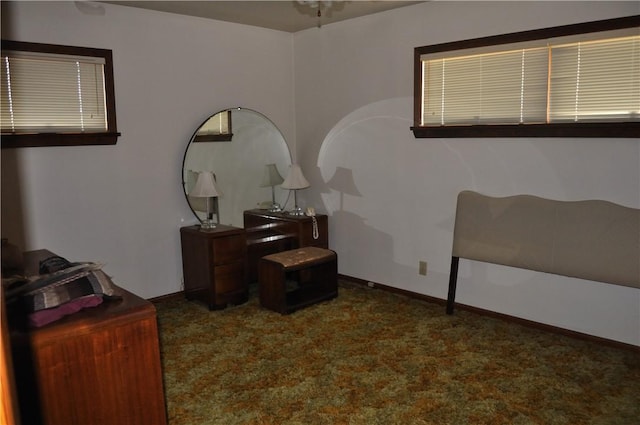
(219, 230)
(280, 215)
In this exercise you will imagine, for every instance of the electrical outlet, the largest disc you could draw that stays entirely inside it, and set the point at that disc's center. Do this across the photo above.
(371, 284)
(422, 268)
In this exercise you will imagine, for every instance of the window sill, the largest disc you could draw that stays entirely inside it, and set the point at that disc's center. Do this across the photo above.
(57, 139)
(609, 130)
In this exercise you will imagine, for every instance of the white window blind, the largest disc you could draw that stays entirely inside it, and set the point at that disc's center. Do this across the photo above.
(550, 81)
(52, 93)
(216, 125)
(596, 81)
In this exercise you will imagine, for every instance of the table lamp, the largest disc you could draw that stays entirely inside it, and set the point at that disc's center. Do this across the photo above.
(295, 180)
(205, 187)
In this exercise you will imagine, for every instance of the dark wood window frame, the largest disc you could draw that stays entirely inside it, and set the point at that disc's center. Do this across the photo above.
(109, 137)
(608, 129)
(213, 138)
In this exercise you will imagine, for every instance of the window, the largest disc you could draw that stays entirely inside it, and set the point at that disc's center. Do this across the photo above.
(56, 95)
(574, 81)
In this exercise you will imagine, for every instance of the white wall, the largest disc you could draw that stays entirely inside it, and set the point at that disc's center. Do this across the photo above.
(123, 204)
(392, 201)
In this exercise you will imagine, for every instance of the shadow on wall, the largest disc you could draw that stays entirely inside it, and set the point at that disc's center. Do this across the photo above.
(373, 177)
(12, 222)
(342, 182)
(344, 222)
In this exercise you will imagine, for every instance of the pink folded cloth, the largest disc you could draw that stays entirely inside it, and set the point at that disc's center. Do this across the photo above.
(44, 317)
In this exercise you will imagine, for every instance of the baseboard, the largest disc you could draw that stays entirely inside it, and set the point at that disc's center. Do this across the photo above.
(388, 288)
(493, 314)
(167, 297)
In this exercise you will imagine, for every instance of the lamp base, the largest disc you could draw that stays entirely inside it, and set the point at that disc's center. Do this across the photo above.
(275, 207)
(297, 211)
(207, 226)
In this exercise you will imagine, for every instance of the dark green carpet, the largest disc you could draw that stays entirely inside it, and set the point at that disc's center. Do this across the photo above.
(371, 357)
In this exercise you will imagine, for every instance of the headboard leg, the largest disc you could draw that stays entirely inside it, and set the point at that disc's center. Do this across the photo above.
(453, 278)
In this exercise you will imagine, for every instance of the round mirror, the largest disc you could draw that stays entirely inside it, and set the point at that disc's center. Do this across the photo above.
(246, 153)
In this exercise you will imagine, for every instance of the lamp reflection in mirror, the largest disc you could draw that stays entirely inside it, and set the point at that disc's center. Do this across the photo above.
(295, 180)
(206, 188)
(272, 178)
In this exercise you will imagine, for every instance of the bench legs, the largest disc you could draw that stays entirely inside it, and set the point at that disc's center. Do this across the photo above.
(453, 278)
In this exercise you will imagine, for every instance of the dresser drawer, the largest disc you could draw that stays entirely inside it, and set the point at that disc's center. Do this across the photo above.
(228, 249)
(229, 277)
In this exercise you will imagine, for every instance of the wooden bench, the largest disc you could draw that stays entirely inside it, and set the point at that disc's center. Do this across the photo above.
(294, 279)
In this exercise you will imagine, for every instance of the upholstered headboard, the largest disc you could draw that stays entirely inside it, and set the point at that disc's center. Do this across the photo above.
(593, 240)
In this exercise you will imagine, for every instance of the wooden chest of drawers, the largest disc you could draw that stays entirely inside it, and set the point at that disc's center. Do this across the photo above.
(99, 366)
(213, 265)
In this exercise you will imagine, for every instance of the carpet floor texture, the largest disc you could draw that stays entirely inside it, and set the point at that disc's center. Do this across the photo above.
(373, 357)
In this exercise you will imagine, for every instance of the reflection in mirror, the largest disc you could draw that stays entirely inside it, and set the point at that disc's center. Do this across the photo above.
(216, 129)
(239, 164)
(272, 178)
(205, 190)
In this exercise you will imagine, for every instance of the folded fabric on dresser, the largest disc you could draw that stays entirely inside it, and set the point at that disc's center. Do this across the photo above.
(79, 283)
(50, 315)
(66, 288)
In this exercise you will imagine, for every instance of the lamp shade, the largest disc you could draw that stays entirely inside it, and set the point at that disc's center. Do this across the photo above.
(205, 186)
(271, 176)
(295, 179)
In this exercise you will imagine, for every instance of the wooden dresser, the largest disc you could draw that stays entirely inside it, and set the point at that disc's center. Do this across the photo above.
(271, 232)
(98, 366)
(213, 265)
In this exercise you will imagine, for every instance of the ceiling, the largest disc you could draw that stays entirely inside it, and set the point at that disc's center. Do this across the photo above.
(283, 15)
